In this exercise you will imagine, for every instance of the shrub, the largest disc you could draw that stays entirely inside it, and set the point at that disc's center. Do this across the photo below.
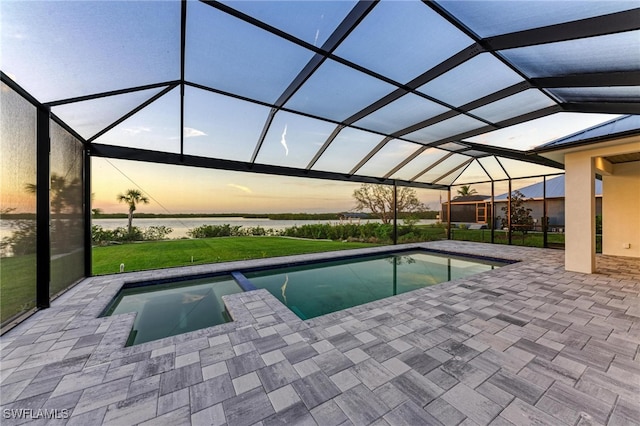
(212, 231)
(155, 233)
(102, 236)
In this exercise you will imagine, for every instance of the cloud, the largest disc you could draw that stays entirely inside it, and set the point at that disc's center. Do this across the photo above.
(136, 130)
(241, 188)
(192, 133)
(283, 141)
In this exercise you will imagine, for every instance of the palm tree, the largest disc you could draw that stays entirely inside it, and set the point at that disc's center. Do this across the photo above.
(132, 197)
(466, 190)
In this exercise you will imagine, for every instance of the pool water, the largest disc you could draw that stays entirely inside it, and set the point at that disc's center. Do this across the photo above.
(168, 308)
(174, 308)
(318, 289)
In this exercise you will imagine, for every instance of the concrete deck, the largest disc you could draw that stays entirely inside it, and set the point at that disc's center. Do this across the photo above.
(524, 344)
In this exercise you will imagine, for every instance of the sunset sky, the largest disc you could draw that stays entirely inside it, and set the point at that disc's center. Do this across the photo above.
(177, 189)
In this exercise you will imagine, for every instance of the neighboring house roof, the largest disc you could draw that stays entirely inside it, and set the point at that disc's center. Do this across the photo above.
(470, 198)
(628, 124)
(555, 189)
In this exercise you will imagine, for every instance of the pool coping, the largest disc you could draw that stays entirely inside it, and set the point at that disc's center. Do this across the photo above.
(238, 305)
(238, 275)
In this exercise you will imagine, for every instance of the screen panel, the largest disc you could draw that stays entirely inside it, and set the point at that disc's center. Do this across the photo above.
(444, 129)
(392, 154)
(472, 174)
(293, 140)
(608, 53)
(87, 118)
(478, 77)
(513, 106)
(426, 159)
(17, 205)
(85, 47)
(231, 55)
(400, 114)
(311, 21)
(528, 135)
(219, 126)
(155, 127)
(490, 18)
(397, 32)
(336, 92)
(67, 213)
(347, 150)
(443, 168)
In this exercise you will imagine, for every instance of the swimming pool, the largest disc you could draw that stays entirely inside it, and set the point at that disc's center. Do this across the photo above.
(171, 308)
(321, 288)
(167, 308)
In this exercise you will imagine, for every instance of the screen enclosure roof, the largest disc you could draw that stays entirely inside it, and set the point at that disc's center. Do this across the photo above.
(427, 94)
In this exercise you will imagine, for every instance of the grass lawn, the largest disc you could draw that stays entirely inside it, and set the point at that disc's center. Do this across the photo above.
(166, 254)
(531, 239)
(18, 280)
(17, 285)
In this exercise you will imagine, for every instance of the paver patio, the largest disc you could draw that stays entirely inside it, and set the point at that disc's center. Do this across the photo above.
(528, 343)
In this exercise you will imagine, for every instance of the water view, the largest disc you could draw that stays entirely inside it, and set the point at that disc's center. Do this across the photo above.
(181, 226)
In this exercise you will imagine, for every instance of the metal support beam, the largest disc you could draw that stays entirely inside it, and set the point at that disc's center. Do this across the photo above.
(431, 166)
(43, 210)
(395, 213)
(545, 227)
(263, 134)
(112, 93)
(86, 181)
(368, 157)
(324, 146)
(493, 213)
(458, 167)
(406, 161)
(589, 27)
(130, 113)
(135, 154)
(348, 24)
(509, 211)
(603, 107)
(183, 54)
(449, 213)
(528, 156)
(607, 79)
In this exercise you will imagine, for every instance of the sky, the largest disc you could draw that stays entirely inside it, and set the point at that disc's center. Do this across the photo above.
(178, 189)
(59, 49)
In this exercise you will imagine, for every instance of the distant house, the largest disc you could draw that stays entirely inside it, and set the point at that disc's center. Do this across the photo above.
(468, 209)
(476, 209)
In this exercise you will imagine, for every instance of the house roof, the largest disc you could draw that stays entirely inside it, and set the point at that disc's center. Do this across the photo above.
(418, 93)
(616, 128)
(555, 189)
(470, 198)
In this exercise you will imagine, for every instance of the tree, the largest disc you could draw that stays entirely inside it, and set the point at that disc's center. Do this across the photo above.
(132, 197)
(466, 190)
(379, 200)
(521, 219)
(65, 200)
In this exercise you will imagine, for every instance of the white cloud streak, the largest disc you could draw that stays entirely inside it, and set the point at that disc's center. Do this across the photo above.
(241, 188)
(283, 141)
(192, 133)
(136, 130)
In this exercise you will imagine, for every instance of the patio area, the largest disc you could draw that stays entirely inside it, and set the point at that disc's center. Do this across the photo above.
(528, 343)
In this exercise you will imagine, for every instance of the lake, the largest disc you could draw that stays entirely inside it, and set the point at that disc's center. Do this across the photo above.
(180, 226)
